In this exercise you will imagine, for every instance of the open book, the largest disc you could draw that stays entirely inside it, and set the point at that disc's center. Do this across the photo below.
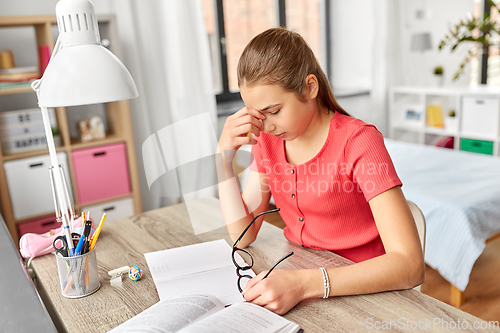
(206, 314)
(198, 269)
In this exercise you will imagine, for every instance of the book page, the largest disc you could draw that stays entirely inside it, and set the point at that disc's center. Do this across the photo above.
(190, 259)
(205, 268)
(171, 315)
(242, 318)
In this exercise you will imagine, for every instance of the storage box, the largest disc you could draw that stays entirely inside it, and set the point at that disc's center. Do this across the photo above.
(29, 184)
(481, 117)
(114, 210)
(477, 146)
(23, 117)
(101, 172)
(39, 226)
(24, 143)
(7, 132)
(23, 130)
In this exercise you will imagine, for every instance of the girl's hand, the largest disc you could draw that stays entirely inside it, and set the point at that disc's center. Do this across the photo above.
(279, 292)
(236, 129)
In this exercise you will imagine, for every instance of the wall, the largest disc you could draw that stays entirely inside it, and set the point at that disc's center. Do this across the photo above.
(439, 16)
(371, 49)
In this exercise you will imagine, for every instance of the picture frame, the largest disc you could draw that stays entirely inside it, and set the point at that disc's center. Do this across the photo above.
(413, 115)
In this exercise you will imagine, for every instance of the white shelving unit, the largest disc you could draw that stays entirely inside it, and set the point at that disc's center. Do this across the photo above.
(119, 132)
(475, 127)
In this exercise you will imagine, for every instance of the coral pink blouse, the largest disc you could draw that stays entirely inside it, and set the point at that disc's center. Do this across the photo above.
(324, 201)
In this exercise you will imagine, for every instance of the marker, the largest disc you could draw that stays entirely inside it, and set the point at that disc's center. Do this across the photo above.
(97, 232)
(85, 234)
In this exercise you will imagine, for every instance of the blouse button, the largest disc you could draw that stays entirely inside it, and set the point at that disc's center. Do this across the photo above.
(293, 196)
(301, 219)
(293, 171)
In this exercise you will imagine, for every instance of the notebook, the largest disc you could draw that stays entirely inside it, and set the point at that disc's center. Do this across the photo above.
(203, 269)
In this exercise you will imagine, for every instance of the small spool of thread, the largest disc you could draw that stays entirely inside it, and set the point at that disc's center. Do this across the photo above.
(135, 273)
(6, 59)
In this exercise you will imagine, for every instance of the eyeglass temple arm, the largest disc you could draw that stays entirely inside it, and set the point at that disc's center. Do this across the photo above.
(276, 264)
(250, 224)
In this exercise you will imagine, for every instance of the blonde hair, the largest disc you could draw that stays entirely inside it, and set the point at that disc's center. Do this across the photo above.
(282, 57)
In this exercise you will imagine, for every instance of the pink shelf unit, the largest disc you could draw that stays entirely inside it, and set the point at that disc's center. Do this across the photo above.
(39, 226)
(101, 172)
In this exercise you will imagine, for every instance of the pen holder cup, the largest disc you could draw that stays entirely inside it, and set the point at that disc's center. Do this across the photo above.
(78, 275)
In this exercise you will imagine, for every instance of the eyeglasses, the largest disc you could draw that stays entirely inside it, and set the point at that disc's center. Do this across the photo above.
(240, 269)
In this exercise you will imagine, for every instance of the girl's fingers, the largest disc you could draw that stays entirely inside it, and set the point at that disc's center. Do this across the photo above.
(259, 301)
(256, 114)
(252, 291)
(237, 127)
(248, 119)
(246, 110)
(253, 281)
(243, 130)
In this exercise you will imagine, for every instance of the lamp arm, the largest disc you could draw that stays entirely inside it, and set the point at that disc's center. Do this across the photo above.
(63, 206)
(60, 193)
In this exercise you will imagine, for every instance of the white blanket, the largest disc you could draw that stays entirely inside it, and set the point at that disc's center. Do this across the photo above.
(459, 194)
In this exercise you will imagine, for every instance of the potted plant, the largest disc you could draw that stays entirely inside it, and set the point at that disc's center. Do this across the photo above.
(438, 74)
(482, 32)
(451, 121)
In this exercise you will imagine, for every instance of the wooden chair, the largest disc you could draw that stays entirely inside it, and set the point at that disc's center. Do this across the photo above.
(419, 218)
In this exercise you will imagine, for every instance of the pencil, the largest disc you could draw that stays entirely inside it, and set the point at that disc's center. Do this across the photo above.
(97, 232)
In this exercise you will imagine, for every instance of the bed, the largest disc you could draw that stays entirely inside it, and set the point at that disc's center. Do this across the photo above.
(459, 194)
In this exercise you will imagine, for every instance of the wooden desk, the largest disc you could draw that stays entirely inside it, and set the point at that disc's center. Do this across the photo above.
(124, 242)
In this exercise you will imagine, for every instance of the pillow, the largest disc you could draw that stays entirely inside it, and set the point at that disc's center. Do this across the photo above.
(34, 245)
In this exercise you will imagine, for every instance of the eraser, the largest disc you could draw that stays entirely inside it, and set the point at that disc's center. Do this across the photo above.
(120, 270)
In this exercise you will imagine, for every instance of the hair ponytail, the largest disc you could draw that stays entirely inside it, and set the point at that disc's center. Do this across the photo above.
(282, 57)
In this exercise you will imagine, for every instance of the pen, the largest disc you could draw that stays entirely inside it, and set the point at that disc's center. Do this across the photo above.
(97, 232)
(79, 246)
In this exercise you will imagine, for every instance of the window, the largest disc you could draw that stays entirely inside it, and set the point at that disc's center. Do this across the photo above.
(231, 24)
(304, 17)
(490, 73)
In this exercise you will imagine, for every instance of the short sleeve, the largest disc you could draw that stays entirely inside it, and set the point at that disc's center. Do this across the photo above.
(256, 158)
(371, 167)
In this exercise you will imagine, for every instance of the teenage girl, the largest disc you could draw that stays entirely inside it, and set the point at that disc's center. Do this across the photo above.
(329, 173)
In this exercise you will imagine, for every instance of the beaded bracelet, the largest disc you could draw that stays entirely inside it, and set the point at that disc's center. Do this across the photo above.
(326, 282)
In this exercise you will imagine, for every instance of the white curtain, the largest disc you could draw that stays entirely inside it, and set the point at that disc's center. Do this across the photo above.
(165, 47)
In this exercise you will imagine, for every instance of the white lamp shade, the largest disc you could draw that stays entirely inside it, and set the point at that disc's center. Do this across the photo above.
(85, 74)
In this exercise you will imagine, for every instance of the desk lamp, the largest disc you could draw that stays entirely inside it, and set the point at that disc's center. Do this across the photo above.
(80, 72)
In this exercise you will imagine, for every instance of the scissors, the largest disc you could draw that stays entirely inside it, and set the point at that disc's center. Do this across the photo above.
(63, 249)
